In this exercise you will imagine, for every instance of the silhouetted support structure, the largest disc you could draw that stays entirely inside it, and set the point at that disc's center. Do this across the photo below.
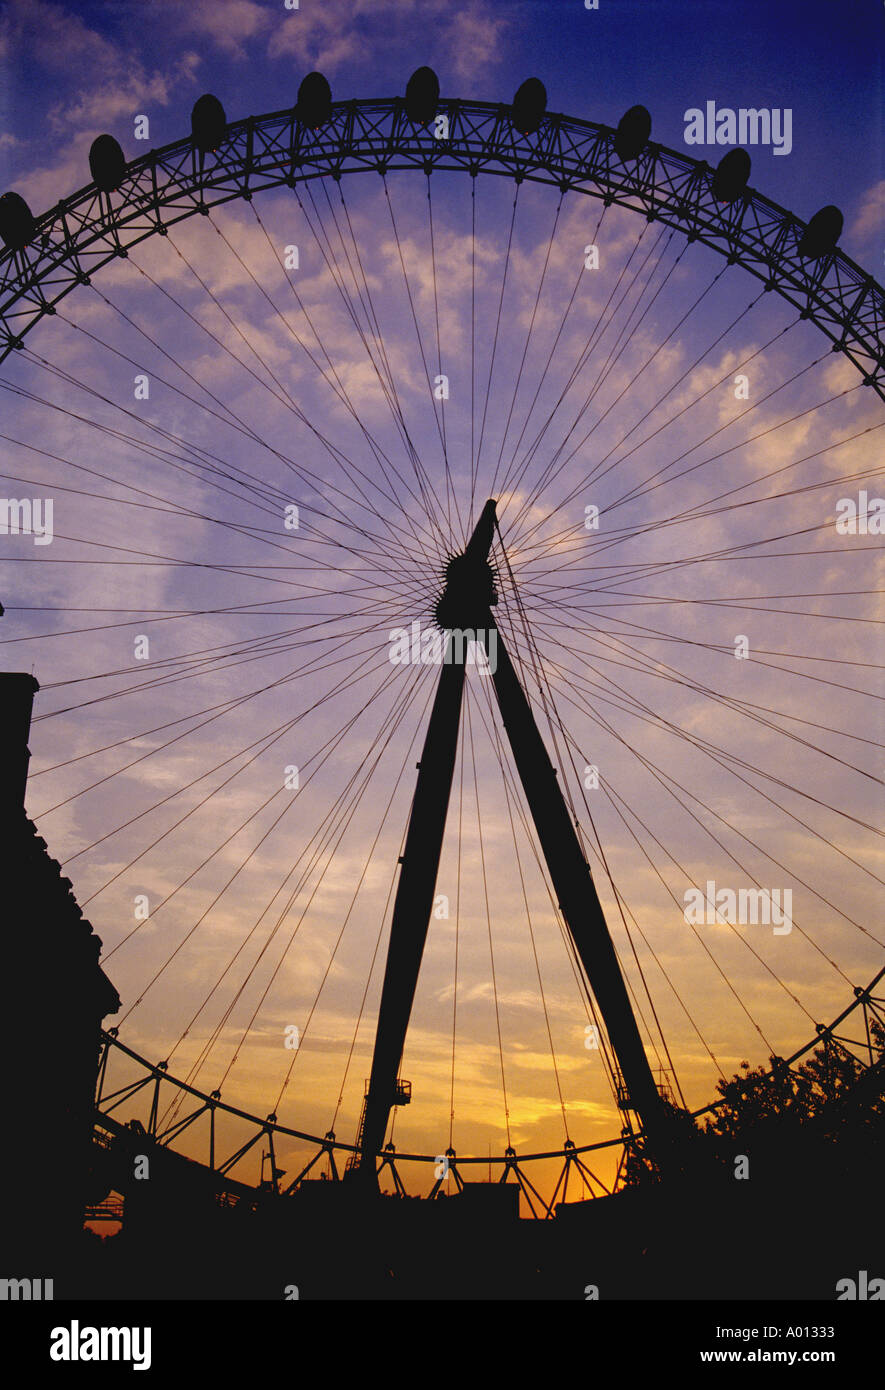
(54, 997)
(575, 889)
(465, 607)
(412, 907)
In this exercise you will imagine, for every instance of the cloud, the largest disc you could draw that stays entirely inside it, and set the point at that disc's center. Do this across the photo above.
(476, 37)
(464, 40)
(55, 38)
(106, 105)
(868, 218)
(229, 24)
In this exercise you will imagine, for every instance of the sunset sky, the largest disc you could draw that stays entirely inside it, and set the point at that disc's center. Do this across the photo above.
(159, 772)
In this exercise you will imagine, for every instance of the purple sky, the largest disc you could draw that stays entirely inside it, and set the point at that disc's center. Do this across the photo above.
(764, 771)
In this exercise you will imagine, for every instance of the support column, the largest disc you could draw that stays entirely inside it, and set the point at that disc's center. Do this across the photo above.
(413, 905)
(574, 886)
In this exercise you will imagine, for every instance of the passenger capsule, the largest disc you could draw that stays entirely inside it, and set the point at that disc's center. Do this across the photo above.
(422, 96)
(731, 176)
(107, 163)
(822, 232)
(314, 101)
(17, 224)
(208, 123)
(631, 136)
(529, 106)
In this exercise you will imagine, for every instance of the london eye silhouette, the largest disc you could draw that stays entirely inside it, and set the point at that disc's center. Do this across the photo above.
(540, 383)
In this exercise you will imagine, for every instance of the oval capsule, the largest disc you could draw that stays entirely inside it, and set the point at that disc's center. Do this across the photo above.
(17, 225)
(631, 136)
(731, 176)
(208, 123)
(422, 96)
(822, 232)
(314, 106)
(529, 106)
(107, 163)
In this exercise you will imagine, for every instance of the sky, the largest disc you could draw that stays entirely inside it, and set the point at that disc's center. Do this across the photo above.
(161, 772)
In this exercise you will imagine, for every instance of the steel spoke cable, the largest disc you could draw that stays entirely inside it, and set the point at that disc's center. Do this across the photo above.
(534, 945)
(745, 708)
(538, 667)
(419, 338)
(547, 700)
(668, 781)
(492, 359)
(657, 960)
(707, 951)
(645, 940)
(274, 737)
(397, 413)
(386, 380)
(284, 397)
(529, 572)
(209, 472)
(65, 376)
(654, 568)
(683, 410)
(346, 813)
(665, 780)
(208, 709)
(394, 723)
(549, 362)
(642, 489)
(603, 321)
(231, 419)
(369, 976)
(419, 676)
(313, 480)
(732, 761)
(771, 778)
(260, 535)
(485, 888)
(577, 967)
(634, 600)
(648, 485)
(570, 950)
(735, 549)
(226, 708)
(199, 661)
(334, 809)
(382, 459)
(622, 342)
(618, 346)
(643, 632)
(451, 492)
(174, 679)
(153, 617)
(528, 338)
(671, 858)
(326, 750)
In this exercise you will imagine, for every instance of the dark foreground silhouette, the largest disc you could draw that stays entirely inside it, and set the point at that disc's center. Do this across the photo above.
(778, 1198)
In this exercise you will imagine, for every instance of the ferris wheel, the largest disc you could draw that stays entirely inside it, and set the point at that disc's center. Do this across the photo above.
(456, 626)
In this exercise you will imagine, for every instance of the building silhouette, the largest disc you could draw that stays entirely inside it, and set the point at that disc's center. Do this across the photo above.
(53, 998)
